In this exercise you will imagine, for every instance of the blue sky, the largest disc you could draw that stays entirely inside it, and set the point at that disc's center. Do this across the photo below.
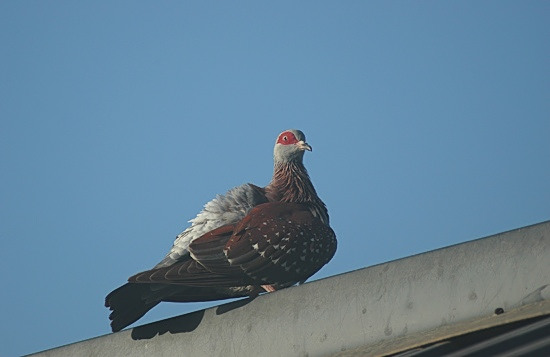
(429, 121)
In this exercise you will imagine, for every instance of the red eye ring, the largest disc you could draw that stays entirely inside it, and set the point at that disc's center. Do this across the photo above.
(287, 138)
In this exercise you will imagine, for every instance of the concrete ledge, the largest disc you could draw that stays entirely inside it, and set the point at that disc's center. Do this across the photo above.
(374, 309)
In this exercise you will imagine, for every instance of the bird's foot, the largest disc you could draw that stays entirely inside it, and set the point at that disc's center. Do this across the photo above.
(261, 289)
(269, 288)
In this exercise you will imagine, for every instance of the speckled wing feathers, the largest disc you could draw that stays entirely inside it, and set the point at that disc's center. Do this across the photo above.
(281, 243)
(276, 243)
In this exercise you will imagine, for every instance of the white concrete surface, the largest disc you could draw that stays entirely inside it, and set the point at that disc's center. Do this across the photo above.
(365, 307)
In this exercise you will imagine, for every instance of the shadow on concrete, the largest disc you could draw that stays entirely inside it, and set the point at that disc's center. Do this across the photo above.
(178, 324)
(184, 323)
(222, 309)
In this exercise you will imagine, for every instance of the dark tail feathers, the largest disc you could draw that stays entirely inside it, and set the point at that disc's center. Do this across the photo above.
(129, 303)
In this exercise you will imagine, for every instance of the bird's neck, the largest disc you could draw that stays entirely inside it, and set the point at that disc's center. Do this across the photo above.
(291, 183)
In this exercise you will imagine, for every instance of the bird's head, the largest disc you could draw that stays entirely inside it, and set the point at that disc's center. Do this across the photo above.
(290, 146)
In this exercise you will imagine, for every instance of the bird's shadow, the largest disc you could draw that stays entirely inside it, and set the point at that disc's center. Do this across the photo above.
(222, 309)
(183, 323)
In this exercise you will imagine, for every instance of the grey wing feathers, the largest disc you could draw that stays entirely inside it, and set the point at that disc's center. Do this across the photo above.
(224, 209)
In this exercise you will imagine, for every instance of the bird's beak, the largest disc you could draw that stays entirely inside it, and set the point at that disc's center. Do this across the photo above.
(304, 146)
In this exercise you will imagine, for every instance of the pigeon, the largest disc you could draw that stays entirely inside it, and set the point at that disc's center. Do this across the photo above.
(248, 241)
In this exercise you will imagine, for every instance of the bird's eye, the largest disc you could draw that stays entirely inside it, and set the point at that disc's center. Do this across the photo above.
(285, 138)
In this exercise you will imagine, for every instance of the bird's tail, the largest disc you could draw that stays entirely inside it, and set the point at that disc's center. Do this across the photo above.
(129, 303)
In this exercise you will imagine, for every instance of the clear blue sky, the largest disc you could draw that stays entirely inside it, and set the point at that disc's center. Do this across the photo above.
(430, 124)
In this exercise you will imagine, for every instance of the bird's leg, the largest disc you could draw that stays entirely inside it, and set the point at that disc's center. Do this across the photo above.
(269, 288)
(260, 289)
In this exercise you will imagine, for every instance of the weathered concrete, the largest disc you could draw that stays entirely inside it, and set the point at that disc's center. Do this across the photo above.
(368, 307)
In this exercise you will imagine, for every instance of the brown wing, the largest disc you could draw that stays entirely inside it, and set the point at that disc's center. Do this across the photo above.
(206, 266)
(276, 243)
(281, 243)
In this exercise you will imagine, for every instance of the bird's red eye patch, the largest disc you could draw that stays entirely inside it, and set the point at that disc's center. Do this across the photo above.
(287, 138)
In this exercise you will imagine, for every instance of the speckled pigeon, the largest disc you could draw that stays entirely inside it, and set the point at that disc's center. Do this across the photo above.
(245, 242)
